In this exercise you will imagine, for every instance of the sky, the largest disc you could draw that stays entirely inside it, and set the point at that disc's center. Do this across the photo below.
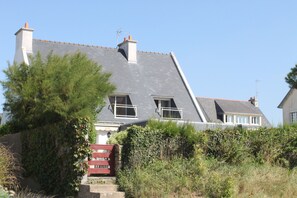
(231, 49)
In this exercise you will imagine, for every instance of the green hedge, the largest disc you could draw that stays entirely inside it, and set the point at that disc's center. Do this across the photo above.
(265, 145)
(158, 140)
(55, 155)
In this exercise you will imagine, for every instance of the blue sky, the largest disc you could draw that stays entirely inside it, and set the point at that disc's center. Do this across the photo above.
(224, 47)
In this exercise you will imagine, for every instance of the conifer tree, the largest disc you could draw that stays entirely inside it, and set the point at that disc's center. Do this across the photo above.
(291, 77)
(54, 89)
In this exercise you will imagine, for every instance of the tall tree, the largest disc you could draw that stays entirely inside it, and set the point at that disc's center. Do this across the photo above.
(54, 89)
(291, 77)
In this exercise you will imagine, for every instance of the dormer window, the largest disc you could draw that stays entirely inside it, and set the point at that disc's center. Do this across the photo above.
(167, 109)
(122, 107)
(242, 119)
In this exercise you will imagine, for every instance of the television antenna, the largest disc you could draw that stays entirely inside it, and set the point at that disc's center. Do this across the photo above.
(257, 91)
(118, 34)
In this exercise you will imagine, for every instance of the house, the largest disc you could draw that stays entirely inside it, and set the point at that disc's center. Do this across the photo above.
(233, 112)
(289, 107)
(149, 85)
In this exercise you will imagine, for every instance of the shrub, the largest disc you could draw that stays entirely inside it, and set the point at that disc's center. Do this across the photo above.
(6, 129)
(227, 145)
(118, 138)
(158, 140)
(55, 155)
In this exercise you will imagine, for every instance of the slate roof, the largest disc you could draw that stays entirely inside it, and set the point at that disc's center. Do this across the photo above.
(213, 107)
(155, 74)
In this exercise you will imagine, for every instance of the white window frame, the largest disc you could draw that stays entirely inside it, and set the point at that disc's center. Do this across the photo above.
(161, 109)
(126, 106)
(293, 117)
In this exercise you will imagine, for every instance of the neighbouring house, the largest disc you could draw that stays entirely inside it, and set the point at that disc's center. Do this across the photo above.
(289, 107)
(149, 85)
(233, 112)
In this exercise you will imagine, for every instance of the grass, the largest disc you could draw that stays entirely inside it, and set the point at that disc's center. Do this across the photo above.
(8, 168)
(208, 178)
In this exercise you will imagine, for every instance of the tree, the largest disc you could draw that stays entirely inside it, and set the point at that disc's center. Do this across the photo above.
(54, 89)
(291, 77)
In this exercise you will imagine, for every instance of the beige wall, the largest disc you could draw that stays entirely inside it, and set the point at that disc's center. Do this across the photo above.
(289, 106)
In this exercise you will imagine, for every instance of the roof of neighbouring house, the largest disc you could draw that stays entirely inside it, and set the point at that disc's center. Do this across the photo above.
(212, 107)
(286, 97)
(155, 74)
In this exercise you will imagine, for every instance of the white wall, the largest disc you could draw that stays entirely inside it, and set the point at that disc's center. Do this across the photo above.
(289, 106)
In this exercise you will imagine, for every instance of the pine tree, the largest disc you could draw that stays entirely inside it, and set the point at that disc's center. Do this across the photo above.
(54, 89)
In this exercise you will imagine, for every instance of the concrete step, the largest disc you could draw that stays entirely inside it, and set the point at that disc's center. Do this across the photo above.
(101, 180)
(102, 195)
(112, 195)
(99, 187)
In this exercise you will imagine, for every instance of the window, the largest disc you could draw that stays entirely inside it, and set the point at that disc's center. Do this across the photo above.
(255, 120)
(167, 108)
(122, 107)
(293, 117)
(242, 119)
(228, 118)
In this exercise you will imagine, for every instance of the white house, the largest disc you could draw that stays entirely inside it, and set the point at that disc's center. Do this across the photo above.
(289, 107)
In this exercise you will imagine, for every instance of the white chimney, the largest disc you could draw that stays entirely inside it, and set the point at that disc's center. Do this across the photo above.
(24, 38)
(130, 49)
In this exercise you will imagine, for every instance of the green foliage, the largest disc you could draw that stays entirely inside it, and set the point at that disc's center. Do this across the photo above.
(8, 168)
(158, 140)
(162, 178)
(54, 89)
(227, 145)
(118, 138)
(224, 163)
(218, 186)
(55, 155)
(291, 77)
(265, 145)
(5, 129)
(3, 193)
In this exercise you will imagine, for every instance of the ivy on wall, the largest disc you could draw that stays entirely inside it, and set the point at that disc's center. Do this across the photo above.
(55, 155)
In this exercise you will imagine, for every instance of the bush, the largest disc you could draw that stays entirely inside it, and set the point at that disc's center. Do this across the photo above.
(55, 155)
(265, 145)
(158, 140)
(6, 129)
(118, 138)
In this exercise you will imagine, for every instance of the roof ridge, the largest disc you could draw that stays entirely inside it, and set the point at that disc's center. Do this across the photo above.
(97, 46)
(77, 44)
(150, 52)
(222, 99)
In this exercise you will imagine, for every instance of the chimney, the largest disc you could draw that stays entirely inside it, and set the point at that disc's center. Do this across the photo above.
(130, 49)
(24, 37)
(254, 101)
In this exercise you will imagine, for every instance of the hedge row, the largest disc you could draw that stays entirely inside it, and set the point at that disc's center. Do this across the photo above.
(55, 155)
(158, 140)
(265, 145)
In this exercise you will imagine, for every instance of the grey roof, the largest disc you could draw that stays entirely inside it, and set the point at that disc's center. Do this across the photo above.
(155, 74)
(213, 108)
(208, 106)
